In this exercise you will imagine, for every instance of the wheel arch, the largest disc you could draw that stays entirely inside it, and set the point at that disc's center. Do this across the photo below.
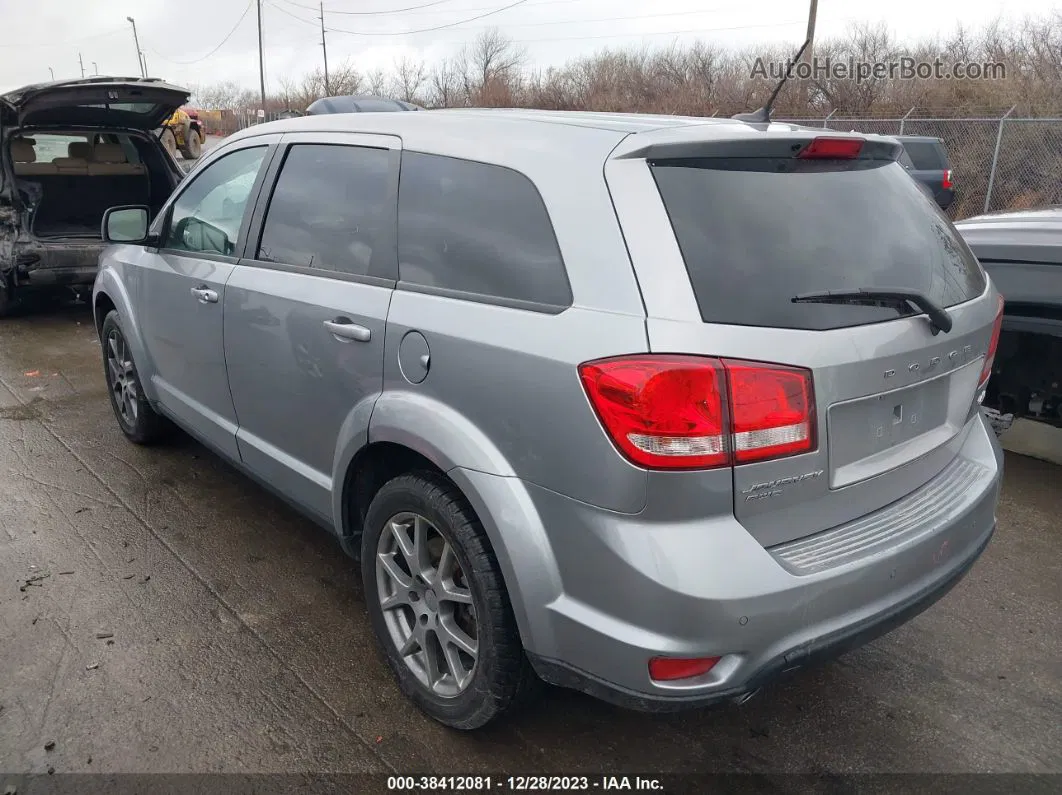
(408, 432)
(110, 294)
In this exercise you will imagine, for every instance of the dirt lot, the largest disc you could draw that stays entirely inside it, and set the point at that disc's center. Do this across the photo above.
(179, 619)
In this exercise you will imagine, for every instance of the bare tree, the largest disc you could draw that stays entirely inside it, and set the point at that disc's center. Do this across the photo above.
(445, 84)
(377, 81)
(409, 78)
(491, 67)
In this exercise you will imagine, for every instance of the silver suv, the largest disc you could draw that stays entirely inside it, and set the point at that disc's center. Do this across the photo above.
(655, 408)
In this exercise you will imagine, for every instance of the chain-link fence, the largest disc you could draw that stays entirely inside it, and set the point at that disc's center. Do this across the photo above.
(997, 163)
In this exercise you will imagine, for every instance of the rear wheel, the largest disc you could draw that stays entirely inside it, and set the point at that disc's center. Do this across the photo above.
(193, 145)
(137, 419)
(169, 141)
(438, 605)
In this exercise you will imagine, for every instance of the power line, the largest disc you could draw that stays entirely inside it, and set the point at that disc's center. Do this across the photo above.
(614, 19)
(631, 35)
(68, 43)
(437, 27)
(220, 45)
(377, 13)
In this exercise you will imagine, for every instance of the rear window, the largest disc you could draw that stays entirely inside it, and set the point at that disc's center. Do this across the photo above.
(48, 147)
(926, 155)
(756, 232)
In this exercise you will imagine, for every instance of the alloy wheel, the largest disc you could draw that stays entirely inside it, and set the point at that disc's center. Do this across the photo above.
(122, 377)
(427, 604)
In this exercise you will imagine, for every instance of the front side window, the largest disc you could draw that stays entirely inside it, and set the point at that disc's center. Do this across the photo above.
(207, 216)
(331, 210)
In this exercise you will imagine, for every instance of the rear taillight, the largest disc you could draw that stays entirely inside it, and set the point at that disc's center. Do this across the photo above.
(833, 148)
(770, 410)
(694, 412)
(947, 185)
(993, 344)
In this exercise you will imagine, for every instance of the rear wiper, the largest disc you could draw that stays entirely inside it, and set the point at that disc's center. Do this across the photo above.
(938, 316)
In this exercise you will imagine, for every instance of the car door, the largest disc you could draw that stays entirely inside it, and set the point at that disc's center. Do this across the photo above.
(182, 288)
(305, 313)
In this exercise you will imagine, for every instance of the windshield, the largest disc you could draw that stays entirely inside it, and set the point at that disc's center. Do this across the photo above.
(756, 232)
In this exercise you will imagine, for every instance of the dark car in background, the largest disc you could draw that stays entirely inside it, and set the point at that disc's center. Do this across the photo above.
(69, 150)
(926, 159)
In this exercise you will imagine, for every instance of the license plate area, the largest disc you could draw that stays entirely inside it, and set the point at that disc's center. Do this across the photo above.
(877, 433)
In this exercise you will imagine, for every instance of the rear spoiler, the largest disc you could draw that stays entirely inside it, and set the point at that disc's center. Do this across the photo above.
(759, 144)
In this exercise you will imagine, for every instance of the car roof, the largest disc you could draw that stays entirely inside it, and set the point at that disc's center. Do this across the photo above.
(1020, 235)
(503, 133)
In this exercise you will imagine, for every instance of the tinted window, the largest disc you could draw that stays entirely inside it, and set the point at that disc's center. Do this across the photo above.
(207, 216)
(479, 229)
(926, 155)
(757, 232)
(330, 210)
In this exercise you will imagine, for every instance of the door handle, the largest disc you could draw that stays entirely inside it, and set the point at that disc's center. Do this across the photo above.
(205, 295)
(345, 331)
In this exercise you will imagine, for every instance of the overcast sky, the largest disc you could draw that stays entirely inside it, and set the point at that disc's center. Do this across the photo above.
(198, 42)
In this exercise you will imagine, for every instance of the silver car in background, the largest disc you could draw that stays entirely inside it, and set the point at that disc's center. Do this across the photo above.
(655, 408)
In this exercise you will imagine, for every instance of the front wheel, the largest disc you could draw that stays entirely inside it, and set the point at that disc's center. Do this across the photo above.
(438, 605)
(193, 145)
(169, 141)
(138, 420)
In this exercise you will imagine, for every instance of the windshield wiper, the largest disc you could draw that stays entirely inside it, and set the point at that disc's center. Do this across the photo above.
(938, 316)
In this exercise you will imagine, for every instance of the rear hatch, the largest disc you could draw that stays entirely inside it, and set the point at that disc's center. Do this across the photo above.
(130, 103)
(761, 223)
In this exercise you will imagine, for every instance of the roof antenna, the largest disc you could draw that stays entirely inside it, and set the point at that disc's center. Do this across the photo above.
(763, 115)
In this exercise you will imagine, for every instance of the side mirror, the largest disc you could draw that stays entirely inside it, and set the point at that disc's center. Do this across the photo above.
(126, 224)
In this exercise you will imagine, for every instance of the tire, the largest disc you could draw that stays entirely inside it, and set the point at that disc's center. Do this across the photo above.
(499, 677)
(169, 141)
(7, 301)
(193, 145)
(140, 423)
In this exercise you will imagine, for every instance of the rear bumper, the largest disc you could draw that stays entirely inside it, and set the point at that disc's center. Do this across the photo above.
(56, 263)
(621, 589)
(815, 651)
(59, 277)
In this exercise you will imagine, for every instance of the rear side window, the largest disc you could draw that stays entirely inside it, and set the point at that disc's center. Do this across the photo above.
(331, 210)
(477, 228)
(757, 232)
(926, 155)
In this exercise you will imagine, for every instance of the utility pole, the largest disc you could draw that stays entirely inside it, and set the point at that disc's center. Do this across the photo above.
(143, 62)
(324, 49)
(136, 41)
(82, 65)
(261, 58)
(813, 13)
